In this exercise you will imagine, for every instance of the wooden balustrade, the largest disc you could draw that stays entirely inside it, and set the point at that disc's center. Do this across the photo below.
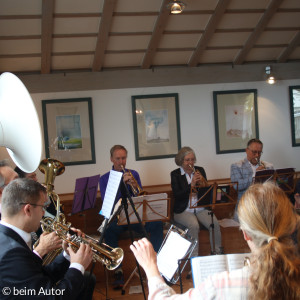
(89, 221)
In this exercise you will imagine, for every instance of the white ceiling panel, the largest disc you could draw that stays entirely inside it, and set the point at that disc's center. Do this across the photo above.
(74, 44)
(20, 27)
(20, 47)
(27, 64)
(123, 60)
(218, 56)
(78, 6)
(76, 25)
(72, 62)
(172, 58)
(128, 42)
(179, 41)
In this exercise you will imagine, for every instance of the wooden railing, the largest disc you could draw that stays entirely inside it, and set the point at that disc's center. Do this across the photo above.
(89, 220)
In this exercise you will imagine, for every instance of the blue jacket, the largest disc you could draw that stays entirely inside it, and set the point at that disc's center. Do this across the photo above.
(242, 173)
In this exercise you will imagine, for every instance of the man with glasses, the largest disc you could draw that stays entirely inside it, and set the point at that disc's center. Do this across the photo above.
(244, 170)
(48, 241)
(21, 271)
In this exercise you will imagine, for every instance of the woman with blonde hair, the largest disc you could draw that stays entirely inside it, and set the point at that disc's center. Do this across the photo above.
(267, 220)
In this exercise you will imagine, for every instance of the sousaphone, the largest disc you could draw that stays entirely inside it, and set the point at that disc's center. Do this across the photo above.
(20, 130)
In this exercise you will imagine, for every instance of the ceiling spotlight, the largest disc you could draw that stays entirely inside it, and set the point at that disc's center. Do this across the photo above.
(176, 7)
(270, 76)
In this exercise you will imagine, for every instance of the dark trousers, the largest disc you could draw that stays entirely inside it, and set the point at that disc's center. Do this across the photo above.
(155, 229)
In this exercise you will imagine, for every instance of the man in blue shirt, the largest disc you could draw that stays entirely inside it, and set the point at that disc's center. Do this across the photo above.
(118, 156)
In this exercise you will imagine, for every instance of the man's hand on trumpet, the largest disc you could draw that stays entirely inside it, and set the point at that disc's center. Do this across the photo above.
(47, 243)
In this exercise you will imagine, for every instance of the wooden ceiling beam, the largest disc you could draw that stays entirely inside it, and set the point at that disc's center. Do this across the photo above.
(262, 24)
(103, 34)
(289, 49)
(159, 28)
(47, 31)
(209, 31)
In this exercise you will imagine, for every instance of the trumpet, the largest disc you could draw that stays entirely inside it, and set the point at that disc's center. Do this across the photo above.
(203, 182)
(135, 188)
(260, 163)
(110, 257)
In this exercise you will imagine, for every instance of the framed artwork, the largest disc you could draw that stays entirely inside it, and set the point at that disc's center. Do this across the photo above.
(295, 114)
(236, 120)
(156, 126)
(68, 130)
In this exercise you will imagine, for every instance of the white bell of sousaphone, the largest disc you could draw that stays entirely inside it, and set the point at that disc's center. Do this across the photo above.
(20, 130)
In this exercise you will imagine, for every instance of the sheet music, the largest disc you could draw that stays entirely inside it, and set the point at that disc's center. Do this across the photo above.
(157, 210)
(175, 248)
(111, 193)
(204, 266)
(132, 216)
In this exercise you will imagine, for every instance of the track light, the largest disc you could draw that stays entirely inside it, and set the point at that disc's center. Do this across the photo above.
(270, 76)
(176, 7)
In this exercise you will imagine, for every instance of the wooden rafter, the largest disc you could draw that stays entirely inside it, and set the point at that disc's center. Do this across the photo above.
(262, 24)
(103, 34)
(287, 52)
(209, 31)
(159, 28)
(46, 39)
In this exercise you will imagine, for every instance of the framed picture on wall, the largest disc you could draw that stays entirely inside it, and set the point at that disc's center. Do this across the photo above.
(156, 126)
(295, 114)
(236, 119)
(68, 130)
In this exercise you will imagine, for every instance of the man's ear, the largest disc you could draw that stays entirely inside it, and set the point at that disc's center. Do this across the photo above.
(246, 236)
(27, 210)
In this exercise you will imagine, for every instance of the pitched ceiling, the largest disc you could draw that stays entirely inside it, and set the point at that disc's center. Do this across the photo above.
(51, 36)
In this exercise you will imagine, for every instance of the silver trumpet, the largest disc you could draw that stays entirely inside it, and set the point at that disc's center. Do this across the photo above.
(260, 163)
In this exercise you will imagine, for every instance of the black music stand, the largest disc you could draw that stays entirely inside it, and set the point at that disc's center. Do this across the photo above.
(126, 195)
(285, 180)
(85, 194)
(262, 176)
(207, 197)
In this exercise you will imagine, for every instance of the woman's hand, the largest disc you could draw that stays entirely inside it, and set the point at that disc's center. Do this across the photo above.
(146, 256)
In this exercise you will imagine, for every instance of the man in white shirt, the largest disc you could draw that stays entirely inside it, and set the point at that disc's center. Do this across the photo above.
(23, 205)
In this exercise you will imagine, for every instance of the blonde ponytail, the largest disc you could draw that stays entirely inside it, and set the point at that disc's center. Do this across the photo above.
(267, 216)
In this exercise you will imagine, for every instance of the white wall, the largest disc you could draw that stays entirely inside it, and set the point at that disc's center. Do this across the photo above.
(113, 124)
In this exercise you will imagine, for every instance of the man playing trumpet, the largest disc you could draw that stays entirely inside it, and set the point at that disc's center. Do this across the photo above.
(118, 156)
(244, 170)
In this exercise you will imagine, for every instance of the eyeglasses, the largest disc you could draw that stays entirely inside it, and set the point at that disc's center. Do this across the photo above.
(190, 159)
(44, 206)
(254, 152)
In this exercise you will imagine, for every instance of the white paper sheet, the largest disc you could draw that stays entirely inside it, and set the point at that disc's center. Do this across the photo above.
(175, 248)
(110, 193)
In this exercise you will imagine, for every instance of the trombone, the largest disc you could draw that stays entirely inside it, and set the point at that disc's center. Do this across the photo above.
(135, 188)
